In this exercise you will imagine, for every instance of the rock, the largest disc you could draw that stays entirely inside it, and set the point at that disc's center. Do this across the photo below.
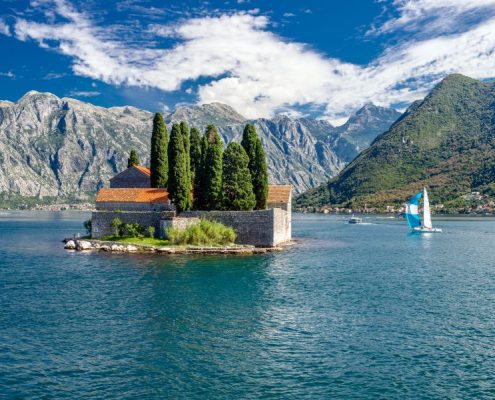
(105, 247)
(117, 247)
(70, 245)
(84, 245)
(131, 248)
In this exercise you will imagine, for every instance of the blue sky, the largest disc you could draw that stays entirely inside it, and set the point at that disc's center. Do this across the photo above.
(325, 58)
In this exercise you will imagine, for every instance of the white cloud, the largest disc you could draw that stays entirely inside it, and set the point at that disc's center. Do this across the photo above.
(83, 93)
(8, 74)
(258, 72)
(4, 28)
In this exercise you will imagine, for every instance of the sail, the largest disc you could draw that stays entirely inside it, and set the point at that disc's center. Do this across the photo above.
(426, 210)
(412, 214)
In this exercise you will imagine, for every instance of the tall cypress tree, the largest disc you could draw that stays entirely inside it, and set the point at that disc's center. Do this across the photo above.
(212, 169)
(199, 180)
(159, 153)
(237, 188)
(179, 186)
(184, 128)
(133, 159)
(195, 155)
(257, 165)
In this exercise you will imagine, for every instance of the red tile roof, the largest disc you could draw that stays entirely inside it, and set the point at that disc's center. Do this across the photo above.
(132, 195)
(143, 170)
(279, 193)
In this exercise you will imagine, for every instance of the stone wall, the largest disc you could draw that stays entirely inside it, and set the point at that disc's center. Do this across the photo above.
(180, 223)
(131, 206)
(263, 228)
(130, 178)
(102, 220)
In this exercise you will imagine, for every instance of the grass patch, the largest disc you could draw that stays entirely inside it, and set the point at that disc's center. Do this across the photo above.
(145, 241)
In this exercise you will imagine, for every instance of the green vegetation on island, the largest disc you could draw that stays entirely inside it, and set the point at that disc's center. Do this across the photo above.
(445, 142)
(202, 233)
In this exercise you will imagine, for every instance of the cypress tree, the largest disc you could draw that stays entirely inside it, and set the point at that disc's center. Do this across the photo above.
(237, 187)
(199, 179)
(159, 153)
(133, 159)
(184, 128)
(179, 186)
(195, 159)
(212, 169)
(257, 165)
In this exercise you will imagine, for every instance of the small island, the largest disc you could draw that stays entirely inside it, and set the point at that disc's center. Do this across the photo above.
(194, 198)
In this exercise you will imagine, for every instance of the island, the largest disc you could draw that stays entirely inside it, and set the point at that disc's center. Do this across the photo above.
(194, 198)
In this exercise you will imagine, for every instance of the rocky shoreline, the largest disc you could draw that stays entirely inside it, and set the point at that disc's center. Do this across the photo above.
(116, 247)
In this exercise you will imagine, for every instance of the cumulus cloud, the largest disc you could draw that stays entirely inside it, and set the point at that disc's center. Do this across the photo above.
(259, 73)
(4, 28)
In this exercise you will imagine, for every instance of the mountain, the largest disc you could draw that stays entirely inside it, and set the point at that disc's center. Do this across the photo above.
(62, 147)
(445, 142)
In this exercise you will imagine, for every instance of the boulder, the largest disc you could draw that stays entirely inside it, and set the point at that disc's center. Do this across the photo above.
(131, 248)
(84, 245)
(70, 245)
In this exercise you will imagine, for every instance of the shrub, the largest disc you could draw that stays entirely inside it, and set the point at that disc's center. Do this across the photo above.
(133, 230)
(203, 233)
(150, 231)
(88, 225)
(116, 225)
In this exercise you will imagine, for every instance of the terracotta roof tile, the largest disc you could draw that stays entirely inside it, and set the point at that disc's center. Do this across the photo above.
(144, 170)
(279, 193)
(132, 195)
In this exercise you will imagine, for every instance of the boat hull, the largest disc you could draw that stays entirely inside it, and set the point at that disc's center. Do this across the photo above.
(427, 230)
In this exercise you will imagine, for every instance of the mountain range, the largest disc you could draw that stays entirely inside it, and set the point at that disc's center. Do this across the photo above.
(66, 148)
(445, 142)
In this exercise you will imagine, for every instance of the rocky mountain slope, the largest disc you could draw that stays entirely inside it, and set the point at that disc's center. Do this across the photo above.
(62, 147)
(445, 142)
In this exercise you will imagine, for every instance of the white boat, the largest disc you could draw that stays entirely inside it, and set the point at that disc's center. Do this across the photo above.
(355, 220)
(412, 214)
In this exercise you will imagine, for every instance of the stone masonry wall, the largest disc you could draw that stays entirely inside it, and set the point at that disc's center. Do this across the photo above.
(176, 222)
(101, 220)
(131, 178)
(128, 206)
(264, 228)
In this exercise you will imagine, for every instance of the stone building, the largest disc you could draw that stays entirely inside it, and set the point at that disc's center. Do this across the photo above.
(133, 177)
(152, 207)
(145, 206)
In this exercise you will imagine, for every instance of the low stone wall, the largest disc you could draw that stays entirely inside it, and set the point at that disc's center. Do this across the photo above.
(264, 228)
(102, 220)
(180, 223)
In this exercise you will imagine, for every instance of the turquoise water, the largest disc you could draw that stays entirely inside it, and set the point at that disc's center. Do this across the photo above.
(353, 311)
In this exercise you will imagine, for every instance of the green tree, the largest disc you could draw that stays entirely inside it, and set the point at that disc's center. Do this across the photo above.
(116, 225)
(237, 187)
(133, 159)
(257, 165)
(179, 185)
(195, 156)
(184, 128)
(212, 169)
(159, 153)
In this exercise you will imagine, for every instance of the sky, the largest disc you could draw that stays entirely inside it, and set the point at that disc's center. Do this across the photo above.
(317, 58)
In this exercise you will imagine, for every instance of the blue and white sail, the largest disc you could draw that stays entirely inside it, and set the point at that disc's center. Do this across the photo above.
(412, 211)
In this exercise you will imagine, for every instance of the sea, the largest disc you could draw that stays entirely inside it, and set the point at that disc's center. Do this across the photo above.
(366, 311)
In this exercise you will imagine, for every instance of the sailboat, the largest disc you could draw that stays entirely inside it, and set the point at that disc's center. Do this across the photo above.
(412, 214)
